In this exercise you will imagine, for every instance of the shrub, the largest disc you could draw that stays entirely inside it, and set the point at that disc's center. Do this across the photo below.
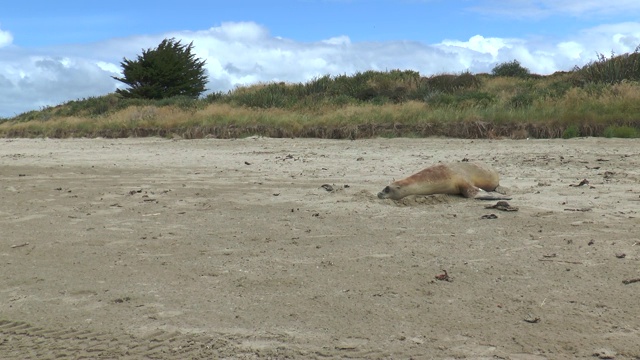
(181, 102)
(521, 100)
(570, 132)
(621, 132)
(474, 99)
(478, 99)
(273, 95)
(511, 69)
(214, 97)
(449, 83)
(556, 89)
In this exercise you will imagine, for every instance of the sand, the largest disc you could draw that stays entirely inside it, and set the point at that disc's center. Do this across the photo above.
(202, 249)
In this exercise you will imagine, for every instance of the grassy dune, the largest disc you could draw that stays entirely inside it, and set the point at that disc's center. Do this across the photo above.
(600, 99)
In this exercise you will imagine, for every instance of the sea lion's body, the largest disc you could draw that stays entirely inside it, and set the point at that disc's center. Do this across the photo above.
(471, 180)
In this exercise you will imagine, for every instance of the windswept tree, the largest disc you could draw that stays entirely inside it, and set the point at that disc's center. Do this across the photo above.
(169, 70)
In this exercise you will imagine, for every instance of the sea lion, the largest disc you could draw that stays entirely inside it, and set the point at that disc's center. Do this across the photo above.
(471, 180)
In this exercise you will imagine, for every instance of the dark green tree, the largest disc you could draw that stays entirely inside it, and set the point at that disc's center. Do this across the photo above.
(511, 69)
(169, 70)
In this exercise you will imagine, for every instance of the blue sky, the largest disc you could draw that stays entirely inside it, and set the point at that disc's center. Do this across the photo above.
(52, 52)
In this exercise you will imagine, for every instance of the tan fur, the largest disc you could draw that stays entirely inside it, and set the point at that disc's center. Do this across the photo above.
(461, 178)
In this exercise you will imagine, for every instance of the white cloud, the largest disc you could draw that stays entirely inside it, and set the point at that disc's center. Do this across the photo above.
(339, 40)
(30, 81)
(246, 53)
(240, 31)
(571, 49)
(620, 38)
(5, 38)
(109, 67)
(483, 45)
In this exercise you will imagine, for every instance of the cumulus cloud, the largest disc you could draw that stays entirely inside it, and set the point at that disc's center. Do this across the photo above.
(541, 56)
(246, 53)
(29, 81)
(5, 38)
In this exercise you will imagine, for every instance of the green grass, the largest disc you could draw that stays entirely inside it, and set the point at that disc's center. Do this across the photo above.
(614, 131)
(570, 132)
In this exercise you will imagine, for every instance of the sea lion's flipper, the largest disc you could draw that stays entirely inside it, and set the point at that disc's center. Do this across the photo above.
(502, 190)
(490, 195)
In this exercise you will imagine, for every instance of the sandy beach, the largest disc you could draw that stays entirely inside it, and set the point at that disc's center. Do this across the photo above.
(233, 249)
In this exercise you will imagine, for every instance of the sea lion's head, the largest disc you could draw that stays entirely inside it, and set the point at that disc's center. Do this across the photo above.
(392, 191)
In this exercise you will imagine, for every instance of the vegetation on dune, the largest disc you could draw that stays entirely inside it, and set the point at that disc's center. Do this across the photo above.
(613, 70)
(599, 99)
(512, 69)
